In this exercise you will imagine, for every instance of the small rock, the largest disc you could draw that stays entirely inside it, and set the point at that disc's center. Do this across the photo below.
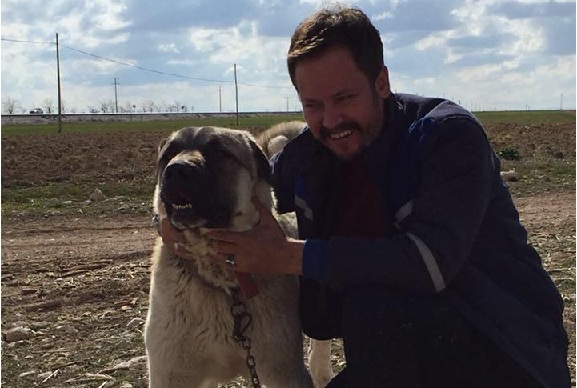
(17, 334)
(68, 329)
(97, 195)
(126, 364)
(510, 176)
(39, 325)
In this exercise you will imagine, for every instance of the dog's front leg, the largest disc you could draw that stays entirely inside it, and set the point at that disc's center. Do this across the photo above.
(320, 362)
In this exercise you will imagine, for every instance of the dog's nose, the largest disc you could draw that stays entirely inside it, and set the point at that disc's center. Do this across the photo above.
(181, 172)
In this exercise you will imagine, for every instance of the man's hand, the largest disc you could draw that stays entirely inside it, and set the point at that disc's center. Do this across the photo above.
(263, 249)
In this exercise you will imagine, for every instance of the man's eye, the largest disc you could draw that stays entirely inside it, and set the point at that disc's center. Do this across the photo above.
(311, 105)
(346, 97)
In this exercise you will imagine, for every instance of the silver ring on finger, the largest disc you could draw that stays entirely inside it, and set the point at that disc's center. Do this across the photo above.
(230, 261)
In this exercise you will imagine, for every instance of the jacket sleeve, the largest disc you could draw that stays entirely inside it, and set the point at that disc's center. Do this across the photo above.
(447, 168)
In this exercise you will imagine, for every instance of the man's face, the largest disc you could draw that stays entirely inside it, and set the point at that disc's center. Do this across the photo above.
(343, 109)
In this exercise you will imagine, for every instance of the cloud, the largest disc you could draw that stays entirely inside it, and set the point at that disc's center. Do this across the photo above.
(185, 50)
(554, 20)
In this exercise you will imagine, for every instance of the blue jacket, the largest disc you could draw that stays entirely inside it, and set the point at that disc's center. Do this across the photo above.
(457, 229)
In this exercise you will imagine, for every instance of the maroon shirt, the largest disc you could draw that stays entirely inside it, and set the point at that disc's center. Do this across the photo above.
(360, 212)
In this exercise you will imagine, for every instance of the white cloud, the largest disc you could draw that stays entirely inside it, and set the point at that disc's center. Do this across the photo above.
(494, 53)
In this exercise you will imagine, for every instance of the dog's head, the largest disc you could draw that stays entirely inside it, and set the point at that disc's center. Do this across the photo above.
(206, 178)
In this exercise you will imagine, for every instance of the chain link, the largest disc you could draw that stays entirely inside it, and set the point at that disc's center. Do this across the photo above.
(242, 320)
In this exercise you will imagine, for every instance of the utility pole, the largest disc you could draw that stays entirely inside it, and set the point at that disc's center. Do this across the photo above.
(220, 99)
(287, 103)
(116, 94)
(236, 92)
(59, 89)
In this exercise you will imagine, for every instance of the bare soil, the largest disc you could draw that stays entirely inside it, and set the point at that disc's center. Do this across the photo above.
(76, 282)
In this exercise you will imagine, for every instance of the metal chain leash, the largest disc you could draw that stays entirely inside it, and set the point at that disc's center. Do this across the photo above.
(242, 320)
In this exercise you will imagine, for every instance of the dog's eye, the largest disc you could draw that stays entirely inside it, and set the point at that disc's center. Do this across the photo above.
(216, 147)
(170, 152)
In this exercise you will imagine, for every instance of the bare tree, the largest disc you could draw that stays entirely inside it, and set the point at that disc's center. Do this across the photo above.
(107, 106)
(126, 108)
(175, 107)
(10, 105)
(148, 106)
(48, 105)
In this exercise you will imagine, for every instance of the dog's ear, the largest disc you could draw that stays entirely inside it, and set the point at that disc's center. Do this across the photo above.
(161, 145)
(262, 164)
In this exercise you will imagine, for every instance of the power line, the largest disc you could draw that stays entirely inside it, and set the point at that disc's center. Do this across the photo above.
(25, 41)
(122, 63)
(141, 67)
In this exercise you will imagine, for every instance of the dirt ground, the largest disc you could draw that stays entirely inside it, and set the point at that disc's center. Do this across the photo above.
(75, 285)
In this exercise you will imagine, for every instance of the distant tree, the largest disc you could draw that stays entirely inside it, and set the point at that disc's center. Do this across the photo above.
(148, 106)
(10, 105)
(175, 107)
(48, 105)
(126, 108)
(107, 106)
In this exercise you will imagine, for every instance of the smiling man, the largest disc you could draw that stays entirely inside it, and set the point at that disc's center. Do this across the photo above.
(410, 248)
(347, 115)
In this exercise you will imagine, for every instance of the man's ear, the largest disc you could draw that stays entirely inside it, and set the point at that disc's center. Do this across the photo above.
(382, 85)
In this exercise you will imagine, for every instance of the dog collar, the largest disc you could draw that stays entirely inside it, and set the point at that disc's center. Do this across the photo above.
(247, 284)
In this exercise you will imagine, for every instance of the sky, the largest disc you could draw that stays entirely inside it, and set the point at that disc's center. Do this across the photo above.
(137, 54)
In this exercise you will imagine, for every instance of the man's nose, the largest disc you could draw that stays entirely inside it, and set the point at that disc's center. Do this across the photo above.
(332, 116)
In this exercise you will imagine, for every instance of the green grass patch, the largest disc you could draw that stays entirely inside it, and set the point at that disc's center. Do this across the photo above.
(247, 120)
(141, 123)
(68, 198)
(537, 176)
(526, 117)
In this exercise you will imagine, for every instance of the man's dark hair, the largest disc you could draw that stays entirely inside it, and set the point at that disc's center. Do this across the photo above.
(338, 26)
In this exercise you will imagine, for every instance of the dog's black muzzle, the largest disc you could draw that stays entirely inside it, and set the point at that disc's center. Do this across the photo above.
(193, 196)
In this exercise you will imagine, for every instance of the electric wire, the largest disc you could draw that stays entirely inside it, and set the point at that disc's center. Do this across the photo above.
(142, 68)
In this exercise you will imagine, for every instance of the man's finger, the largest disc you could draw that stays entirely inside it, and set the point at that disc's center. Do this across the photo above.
(222, 235)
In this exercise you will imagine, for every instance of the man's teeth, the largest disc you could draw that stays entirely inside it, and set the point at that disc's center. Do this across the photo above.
(182, 207)
(340, 135)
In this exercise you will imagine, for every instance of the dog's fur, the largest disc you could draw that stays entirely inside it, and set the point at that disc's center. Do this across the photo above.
(206, 178)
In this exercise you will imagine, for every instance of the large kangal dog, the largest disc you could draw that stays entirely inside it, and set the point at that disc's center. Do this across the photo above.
(206, 178)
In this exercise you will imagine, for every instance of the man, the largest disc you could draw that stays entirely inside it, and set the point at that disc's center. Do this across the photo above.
(410, 245)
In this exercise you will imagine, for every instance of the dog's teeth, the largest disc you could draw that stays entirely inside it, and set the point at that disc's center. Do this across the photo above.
(182, 207)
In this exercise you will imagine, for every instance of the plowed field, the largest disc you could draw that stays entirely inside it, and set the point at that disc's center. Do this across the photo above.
(75, 275)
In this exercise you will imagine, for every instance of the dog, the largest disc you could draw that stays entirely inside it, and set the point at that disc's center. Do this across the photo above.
(206, 178)
(273, 141)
